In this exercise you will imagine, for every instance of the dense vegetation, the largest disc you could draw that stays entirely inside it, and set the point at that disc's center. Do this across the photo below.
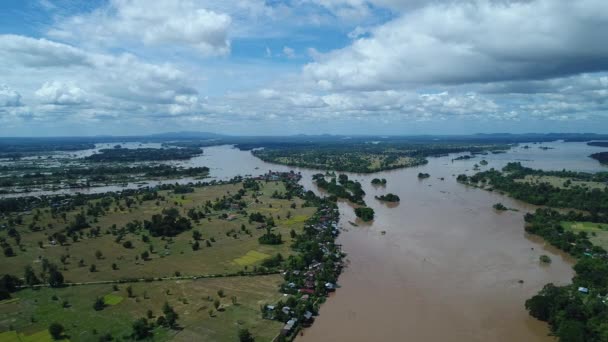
(598, 143)
(388, 198)
(593, 200)
(365, 213)
(578, 311)
(342, 187)
(361, 157)
(602, 157)
(377, 181)
(84, 176)
(143, 154)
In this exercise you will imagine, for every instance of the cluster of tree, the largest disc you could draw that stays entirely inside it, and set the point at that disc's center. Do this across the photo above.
(103, 174)
(169, 223)
(595, 200)
(602, 157)
(183, 189)
(361, 157)
(598, 143)
(341, 187)
(575, 312)
(377, 181)
(365, 213)
(144, 154)
(388, 198)
(547, 223)
(270, 238)
(423, 175)
(500, 207)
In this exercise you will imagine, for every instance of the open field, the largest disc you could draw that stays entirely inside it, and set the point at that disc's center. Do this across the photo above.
(560, 182)
(228, 244)
(597, 232)
(192, 300)
(169, 255)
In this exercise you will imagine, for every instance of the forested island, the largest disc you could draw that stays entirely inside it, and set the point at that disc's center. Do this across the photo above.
(598, 143)
(378, 181)
(361, 157)
(388, 198)
(144, 154)
(602, 157)
(561, 189)
(87, 176)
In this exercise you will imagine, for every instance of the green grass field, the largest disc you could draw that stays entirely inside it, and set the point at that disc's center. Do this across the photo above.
(232, 250)
(597, 232)
(558, 182)
(112, 299)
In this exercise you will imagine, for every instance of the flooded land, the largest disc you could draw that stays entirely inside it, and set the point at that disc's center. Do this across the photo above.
(441, 264)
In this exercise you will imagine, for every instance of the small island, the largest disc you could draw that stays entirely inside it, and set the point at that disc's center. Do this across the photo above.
(388, 198)
(365, 213)
(500, 207)
(378, 181)
(423, 175)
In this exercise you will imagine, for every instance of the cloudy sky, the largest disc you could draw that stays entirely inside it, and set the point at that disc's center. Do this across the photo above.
(302, 66)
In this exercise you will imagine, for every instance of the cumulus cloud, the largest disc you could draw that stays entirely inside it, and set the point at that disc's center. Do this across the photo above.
(60, 93)
(477, 41)
(9, 97)
(165, 22)
(40, 52)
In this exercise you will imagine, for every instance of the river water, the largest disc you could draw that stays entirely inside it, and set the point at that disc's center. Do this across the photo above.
(442, 265)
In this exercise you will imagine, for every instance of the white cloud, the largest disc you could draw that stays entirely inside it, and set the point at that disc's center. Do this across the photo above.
(9, 97)
(60, 93)
(477, 41)
(162, 22)
(289, 52)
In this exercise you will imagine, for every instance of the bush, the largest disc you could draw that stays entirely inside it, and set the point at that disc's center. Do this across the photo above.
(56, 330)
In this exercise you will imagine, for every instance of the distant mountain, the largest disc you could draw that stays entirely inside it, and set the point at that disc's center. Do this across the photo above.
(187, 135)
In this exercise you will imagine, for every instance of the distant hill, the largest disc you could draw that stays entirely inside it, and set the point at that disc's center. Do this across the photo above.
(187, 135)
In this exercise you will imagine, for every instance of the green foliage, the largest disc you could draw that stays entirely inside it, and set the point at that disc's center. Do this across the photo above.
(365, 213)
(388, 198)
(143, 154)
(169, 223)
(56, 330)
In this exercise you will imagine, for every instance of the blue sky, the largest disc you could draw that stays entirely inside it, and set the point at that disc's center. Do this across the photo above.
(302, 66)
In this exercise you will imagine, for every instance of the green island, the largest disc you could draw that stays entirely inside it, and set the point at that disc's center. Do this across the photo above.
(422, 175)
(182, 262)
(360, 157)
(388, 198)
(378, 181)
(345, 188)
(577, 311)
(602, 157)
(83, 176)
(598, 143)
(118, 154)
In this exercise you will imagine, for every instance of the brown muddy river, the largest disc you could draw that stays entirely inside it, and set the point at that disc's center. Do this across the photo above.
(448, 268)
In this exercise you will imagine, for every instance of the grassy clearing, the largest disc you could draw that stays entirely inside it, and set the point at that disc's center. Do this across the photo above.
(112, 299)
(251, 258)
(41, 336)
(169, 255)
(191, 299)
(597, 232)
(559, 182)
